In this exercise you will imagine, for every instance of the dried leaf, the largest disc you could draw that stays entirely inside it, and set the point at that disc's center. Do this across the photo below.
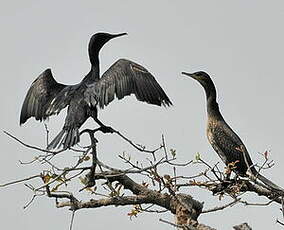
(89, 189)
(230, 167)
(134, 211)
(83, 180)
(167, 177)
(158, 179)
(56, 188)
(266, 155)
(46, 178)
(86, 158)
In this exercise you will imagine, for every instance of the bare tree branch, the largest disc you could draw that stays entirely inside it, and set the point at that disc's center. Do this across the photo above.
(164, 191)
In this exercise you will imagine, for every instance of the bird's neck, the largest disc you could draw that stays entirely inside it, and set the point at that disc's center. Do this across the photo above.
(213, 109)
(94, 50)
(95, 70)
(212, 105)
(94, 73)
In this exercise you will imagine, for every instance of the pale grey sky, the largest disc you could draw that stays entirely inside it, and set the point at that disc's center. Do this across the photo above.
(239, 43)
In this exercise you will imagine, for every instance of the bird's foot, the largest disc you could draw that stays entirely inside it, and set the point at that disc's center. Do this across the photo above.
(106, 129)
(90, 131)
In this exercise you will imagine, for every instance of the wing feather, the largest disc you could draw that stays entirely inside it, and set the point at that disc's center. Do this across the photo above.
(42, 90)
(123, 78)
(230, 148)
(45, 97)
(61, 99)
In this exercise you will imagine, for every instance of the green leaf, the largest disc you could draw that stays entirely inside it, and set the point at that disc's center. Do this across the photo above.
(173, 152)
(197, 156)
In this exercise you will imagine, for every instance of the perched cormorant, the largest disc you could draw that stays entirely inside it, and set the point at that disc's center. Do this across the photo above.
(222, 138)
(47, 97)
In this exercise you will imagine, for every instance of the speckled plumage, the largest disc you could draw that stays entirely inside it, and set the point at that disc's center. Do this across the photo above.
(228, 145)
(222, 138)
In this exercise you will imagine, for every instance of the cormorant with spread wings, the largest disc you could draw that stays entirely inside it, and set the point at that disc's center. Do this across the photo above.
(47, 97)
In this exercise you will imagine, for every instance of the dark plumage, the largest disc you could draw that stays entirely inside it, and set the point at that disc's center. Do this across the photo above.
(47, 97)
(222, 138)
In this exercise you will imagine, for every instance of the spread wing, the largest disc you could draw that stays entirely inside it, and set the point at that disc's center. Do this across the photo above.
(43, 91)
(123, 78)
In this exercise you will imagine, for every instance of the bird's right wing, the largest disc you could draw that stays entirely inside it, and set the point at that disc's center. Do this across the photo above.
(230, 147)
(42, 91)
(234, 150)
(123, 78)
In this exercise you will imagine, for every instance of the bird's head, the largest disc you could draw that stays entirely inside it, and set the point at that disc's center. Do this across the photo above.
(202, 77)
(99, 39)
(205, 80)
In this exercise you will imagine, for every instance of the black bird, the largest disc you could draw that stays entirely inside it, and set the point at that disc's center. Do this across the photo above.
(47, 97)
(222, 138)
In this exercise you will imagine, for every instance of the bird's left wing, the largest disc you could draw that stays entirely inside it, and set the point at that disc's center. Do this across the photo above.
(123, 78)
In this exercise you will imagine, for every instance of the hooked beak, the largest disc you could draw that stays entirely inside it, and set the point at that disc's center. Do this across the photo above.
(192, 75)
(118, 35)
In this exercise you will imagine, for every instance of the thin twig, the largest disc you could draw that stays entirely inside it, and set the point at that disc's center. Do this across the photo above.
(212, 169)
(19, 181)
(72, 220)
(47, 134)
(279, 222)
(282, 204)
(31, 146)
(177, 225)
(256, 204)
(222, 207)
(136, 146)
(28, 204)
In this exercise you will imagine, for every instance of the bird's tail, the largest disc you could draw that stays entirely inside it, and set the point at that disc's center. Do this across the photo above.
(66, 137)
(269, 183)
